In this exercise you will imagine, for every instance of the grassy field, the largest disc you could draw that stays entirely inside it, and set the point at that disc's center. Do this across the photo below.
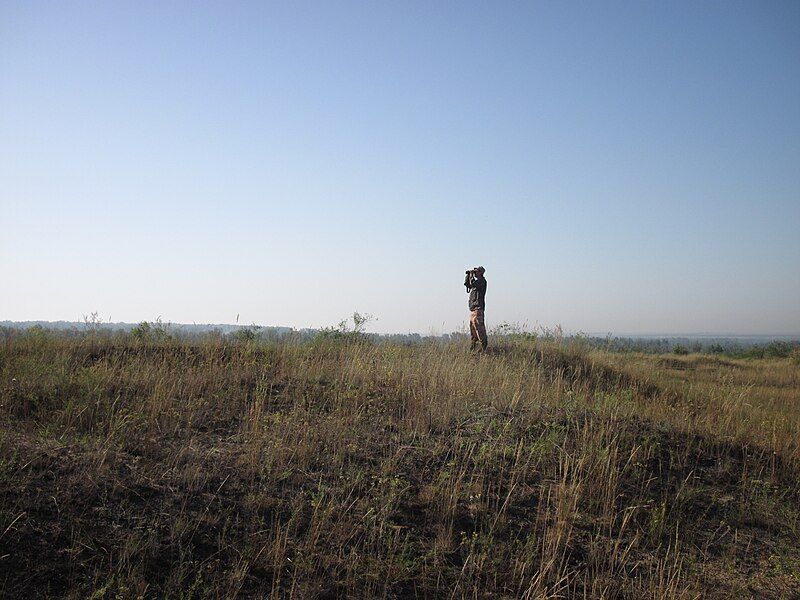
(133, 468)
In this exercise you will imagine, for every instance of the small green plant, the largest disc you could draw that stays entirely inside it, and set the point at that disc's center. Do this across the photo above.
(343, 331)
(246, 334)
(141, 333)
(155, 331)
(37, 335)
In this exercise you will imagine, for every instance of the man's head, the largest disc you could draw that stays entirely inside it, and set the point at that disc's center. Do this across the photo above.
(479, 271)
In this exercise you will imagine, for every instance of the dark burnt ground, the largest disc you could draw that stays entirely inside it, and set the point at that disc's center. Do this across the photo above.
(78, 524)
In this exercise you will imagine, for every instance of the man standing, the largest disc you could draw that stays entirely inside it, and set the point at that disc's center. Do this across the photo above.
(475, 283)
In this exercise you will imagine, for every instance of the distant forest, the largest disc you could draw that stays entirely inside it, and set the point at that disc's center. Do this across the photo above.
(752, 346)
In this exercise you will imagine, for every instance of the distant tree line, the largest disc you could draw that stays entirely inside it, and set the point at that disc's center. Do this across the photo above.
(353, 329)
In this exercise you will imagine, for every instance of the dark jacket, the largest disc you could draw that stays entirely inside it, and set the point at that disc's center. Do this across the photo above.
(476, 287)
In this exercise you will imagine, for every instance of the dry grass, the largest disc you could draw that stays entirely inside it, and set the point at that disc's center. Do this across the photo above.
(345, 469)
(753, 401)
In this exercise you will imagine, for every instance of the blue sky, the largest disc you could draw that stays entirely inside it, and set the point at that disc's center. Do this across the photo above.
(617, 167)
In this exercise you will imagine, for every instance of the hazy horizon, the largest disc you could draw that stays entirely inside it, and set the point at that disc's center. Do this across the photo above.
(618, 167)
(370, 327)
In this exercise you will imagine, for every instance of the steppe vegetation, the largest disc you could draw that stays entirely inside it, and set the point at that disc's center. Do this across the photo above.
(141, 466)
